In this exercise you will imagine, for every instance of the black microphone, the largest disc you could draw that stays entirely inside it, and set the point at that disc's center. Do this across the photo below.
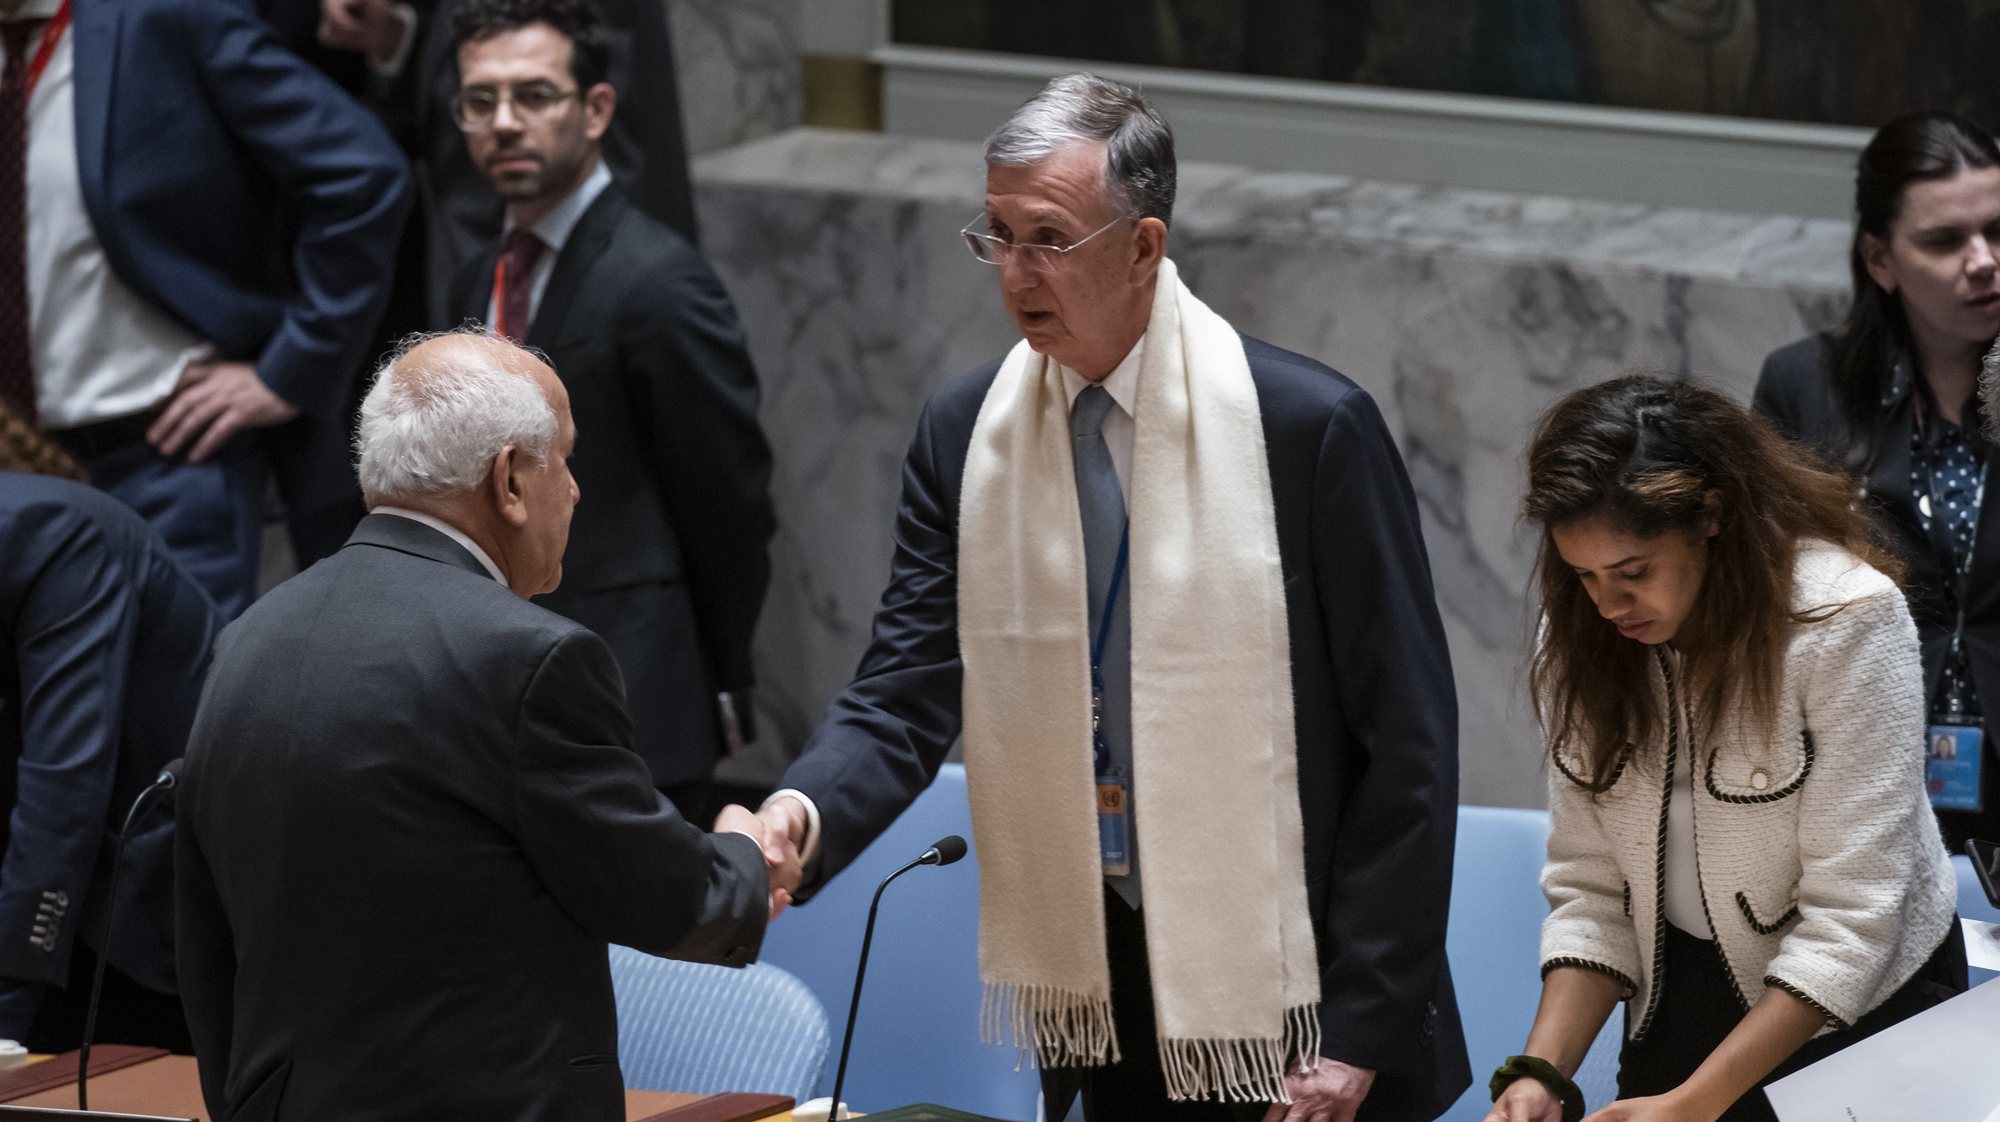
(948, 849)
(166, 781)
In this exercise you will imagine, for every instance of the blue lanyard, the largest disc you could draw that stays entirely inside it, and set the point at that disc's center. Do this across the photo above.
(1100, 749)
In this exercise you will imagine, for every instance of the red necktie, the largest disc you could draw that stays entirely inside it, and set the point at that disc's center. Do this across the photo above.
(518, 257)
(17, 370)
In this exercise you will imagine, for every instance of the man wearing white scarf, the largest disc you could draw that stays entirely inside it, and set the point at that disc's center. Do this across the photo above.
(1170, 584)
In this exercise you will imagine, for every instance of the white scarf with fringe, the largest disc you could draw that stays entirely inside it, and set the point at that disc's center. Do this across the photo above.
(1215, 765)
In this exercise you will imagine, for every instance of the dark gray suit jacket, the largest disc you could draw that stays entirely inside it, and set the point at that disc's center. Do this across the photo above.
(1374, 710)
(410, 823)
(666, 553)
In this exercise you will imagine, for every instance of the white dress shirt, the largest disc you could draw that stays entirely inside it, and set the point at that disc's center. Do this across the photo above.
(100, 352)
(554, 230)
(449, 531)
(1123, 386)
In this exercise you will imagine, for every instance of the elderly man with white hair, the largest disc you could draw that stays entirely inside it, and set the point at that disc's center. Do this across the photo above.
(411, 818)
(1170, 583)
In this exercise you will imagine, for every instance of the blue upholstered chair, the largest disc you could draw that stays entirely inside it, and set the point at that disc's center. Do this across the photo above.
(684, 1026)
(1494, 942)
(917, 1039)
(1972, 901)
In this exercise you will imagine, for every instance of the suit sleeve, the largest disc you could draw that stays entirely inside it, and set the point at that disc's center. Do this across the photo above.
(345, 177)
(74, 634)
(888, 732)
(690, 372)
(1390, 884)
(611, 848)
(204, 956)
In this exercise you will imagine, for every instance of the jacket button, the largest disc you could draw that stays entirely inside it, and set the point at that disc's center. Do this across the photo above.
(1759, 780)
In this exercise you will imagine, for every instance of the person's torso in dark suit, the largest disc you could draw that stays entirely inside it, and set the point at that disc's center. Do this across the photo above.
(1375, 710)
(667, 549)
(1795, 393)
(106, 642)
(240, 191)
(409, 826)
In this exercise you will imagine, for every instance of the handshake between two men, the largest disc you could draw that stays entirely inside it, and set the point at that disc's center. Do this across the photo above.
(783, 830)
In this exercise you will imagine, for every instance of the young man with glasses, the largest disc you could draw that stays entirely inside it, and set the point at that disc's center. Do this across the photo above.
(666, 558)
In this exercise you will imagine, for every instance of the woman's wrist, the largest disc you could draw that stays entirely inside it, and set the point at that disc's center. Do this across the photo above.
(1696, 1102)
(1517, 1068)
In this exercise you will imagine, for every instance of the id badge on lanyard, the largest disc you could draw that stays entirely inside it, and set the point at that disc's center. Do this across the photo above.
(1114, 791)
(1953, 757)
(1955, 742)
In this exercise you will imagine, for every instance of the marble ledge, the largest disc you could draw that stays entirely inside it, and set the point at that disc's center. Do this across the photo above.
(1304, 209)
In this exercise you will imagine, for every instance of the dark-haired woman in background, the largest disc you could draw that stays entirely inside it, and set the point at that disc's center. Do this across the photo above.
(1889, 399)
(1739, 843)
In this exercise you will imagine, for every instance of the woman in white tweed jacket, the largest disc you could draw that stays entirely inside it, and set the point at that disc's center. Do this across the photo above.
(1741, 848)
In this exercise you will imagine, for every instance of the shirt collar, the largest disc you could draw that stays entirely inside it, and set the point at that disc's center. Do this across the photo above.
(1122, 383)
(38, 9)
(555, 227)
(449, 531)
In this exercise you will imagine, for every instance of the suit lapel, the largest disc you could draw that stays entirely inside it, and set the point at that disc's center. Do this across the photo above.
(472, 295)
(94, 47)
(586, 244)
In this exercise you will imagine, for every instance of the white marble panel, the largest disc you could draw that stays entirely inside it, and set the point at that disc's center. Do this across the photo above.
(737, 64)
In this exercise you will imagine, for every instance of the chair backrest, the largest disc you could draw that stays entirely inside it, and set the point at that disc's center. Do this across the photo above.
(917, 1036)
(685, 1026)
(1972, 901)
(1494, 942)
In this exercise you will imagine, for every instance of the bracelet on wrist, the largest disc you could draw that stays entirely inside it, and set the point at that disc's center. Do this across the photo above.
(1545, 1073)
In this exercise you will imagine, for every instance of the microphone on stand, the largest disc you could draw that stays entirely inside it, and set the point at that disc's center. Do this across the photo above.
(169, 777)
(948, 849)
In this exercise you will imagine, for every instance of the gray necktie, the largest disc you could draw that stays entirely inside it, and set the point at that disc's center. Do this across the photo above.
(1102, 506)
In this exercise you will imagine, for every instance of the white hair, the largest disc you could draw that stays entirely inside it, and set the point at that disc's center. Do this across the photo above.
(432, 426)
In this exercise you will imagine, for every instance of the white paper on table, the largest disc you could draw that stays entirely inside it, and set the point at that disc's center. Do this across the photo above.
(1982, 944)
(1938, 1066)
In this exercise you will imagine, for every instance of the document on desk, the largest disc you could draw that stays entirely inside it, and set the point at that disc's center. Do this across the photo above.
(1937, 1066)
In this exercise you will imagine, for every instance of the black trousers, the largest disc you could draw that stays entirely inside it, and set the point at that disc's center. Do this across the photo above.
(1699, 1005)
(1134, 1088)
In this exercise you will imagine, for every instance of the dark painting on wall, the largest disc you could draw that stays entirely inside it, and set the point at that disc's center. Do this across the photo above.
(1842, 62)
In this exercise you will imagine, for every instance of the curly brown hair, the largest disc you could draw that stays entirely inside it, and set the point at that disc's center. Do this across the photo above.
(25, 448)
(1654, 456)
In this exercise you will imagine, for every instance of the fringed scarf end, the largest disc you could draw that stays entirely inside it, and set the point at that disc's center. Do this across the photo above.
(1242, 1071)
(1057, 1027)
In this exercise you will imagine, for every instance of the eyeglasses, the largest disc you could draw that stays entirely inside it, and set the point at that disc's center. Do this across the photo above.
(1046, 258)
(474, 107)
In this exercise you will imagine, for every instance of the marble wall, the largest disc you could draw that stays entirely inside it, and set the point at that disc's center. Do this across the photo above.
(1463, 313)
(737, 64)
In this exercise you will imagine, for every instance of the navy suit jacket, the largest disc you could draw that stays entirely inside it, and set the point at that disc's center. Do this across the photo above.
(239, 190)
(667, 556)
(106, 643)
(1376, 716)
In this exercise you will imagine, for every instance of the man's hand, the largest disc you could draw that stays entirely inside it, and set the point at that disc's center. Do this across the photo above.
(784, 846)
(739, 820)
(373, 27)
(1526, 1100)
(213, 402)
(1330, 1092)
